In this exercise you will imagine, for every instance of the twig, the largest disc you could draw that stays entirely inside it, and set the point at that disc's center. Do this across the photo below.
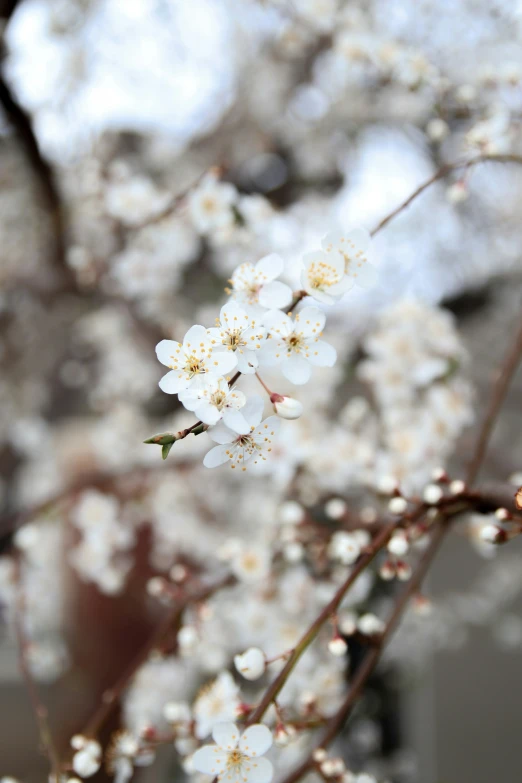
(500, 388)
(39, 709)
(440, 174)
(111, 697)
(373, 655)
(21, 123)
(378, 543)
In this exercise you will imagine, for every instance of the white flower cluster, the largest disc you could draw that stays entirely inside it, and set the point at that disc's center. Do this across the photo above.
(257, 329)
(414, 368)
(101, 555)
(41, 585)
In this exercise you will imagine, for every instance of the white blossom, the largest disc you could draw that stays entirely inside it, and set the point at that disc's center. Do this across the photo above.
(251, 564)
(257, 285)
(296, 344)
(191, 360)
(210, 204)
(323, 276)
(87, 760)
(242, 448)
(370, 625)
(214, 400)
(239, 331)
(135, 200)
(352, 247)
(251, 664)
(234, 757)
(216, 703)
(344, 547)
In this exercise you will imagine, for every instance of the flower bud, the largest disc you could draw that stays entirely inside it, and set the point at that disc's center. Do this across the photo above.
(286, 407)
(284, 734)
(370, 625)
(397, 505)
(337, 646)
(176, 712)
(491, 534)
(85, 763)
(398, 545)
(251, 664)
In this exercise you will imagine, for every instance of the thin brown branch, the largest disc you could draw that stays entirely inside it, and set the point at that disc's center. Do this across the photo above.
(440, 174)
(48, 189)
(272, 692)
(112, 696)
(374, 653)
(504, 377)
(39, 709)
(373, 656)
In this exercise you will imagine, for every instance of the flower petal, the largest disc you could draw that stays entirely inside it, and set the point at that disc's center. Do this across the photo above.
(189, 398)
(275, 294)
(235, 420)
(221, 434)
(232, 310)
(366, 276)
(247, 362)
(297, 370)
(195, 335)
(226, 735)
(166, 350)
(359, 237)
(258, 770)
(210, 760)
(173, 382)
(221, 362)
(256, 740)
(270, 267)
(319, 296)
(322, 354)
(215, 457)
(276, 321)
(208, 413)
(311, 321)
(253, 410)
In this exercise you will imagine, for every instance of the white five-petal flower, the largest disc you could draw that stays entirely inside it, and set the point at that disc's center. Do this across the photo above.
(239, 332)
(323, 276)
(210, 204)
(217, 702)
(296, 344)
(236, 758)
(257, 285)
(239, 449)
(215, 400)
(192, 360)
(351, 246)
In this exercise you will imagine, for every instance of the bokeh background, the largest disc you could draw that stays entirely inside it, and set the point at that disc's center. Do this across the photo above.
(325, 113)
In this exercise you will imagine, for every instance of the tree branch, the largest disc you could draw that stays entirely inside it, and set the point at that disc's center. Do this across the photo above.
(440, 174)
(39, 709)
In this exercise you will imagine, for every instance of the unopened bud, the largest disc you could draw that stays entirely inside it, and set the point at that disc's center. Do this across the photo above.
(286, 407)
(337, 646)
(251, 664)
(397, 505)
(398, 545)
(284, 734)
(491, 534)
(387, 571)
